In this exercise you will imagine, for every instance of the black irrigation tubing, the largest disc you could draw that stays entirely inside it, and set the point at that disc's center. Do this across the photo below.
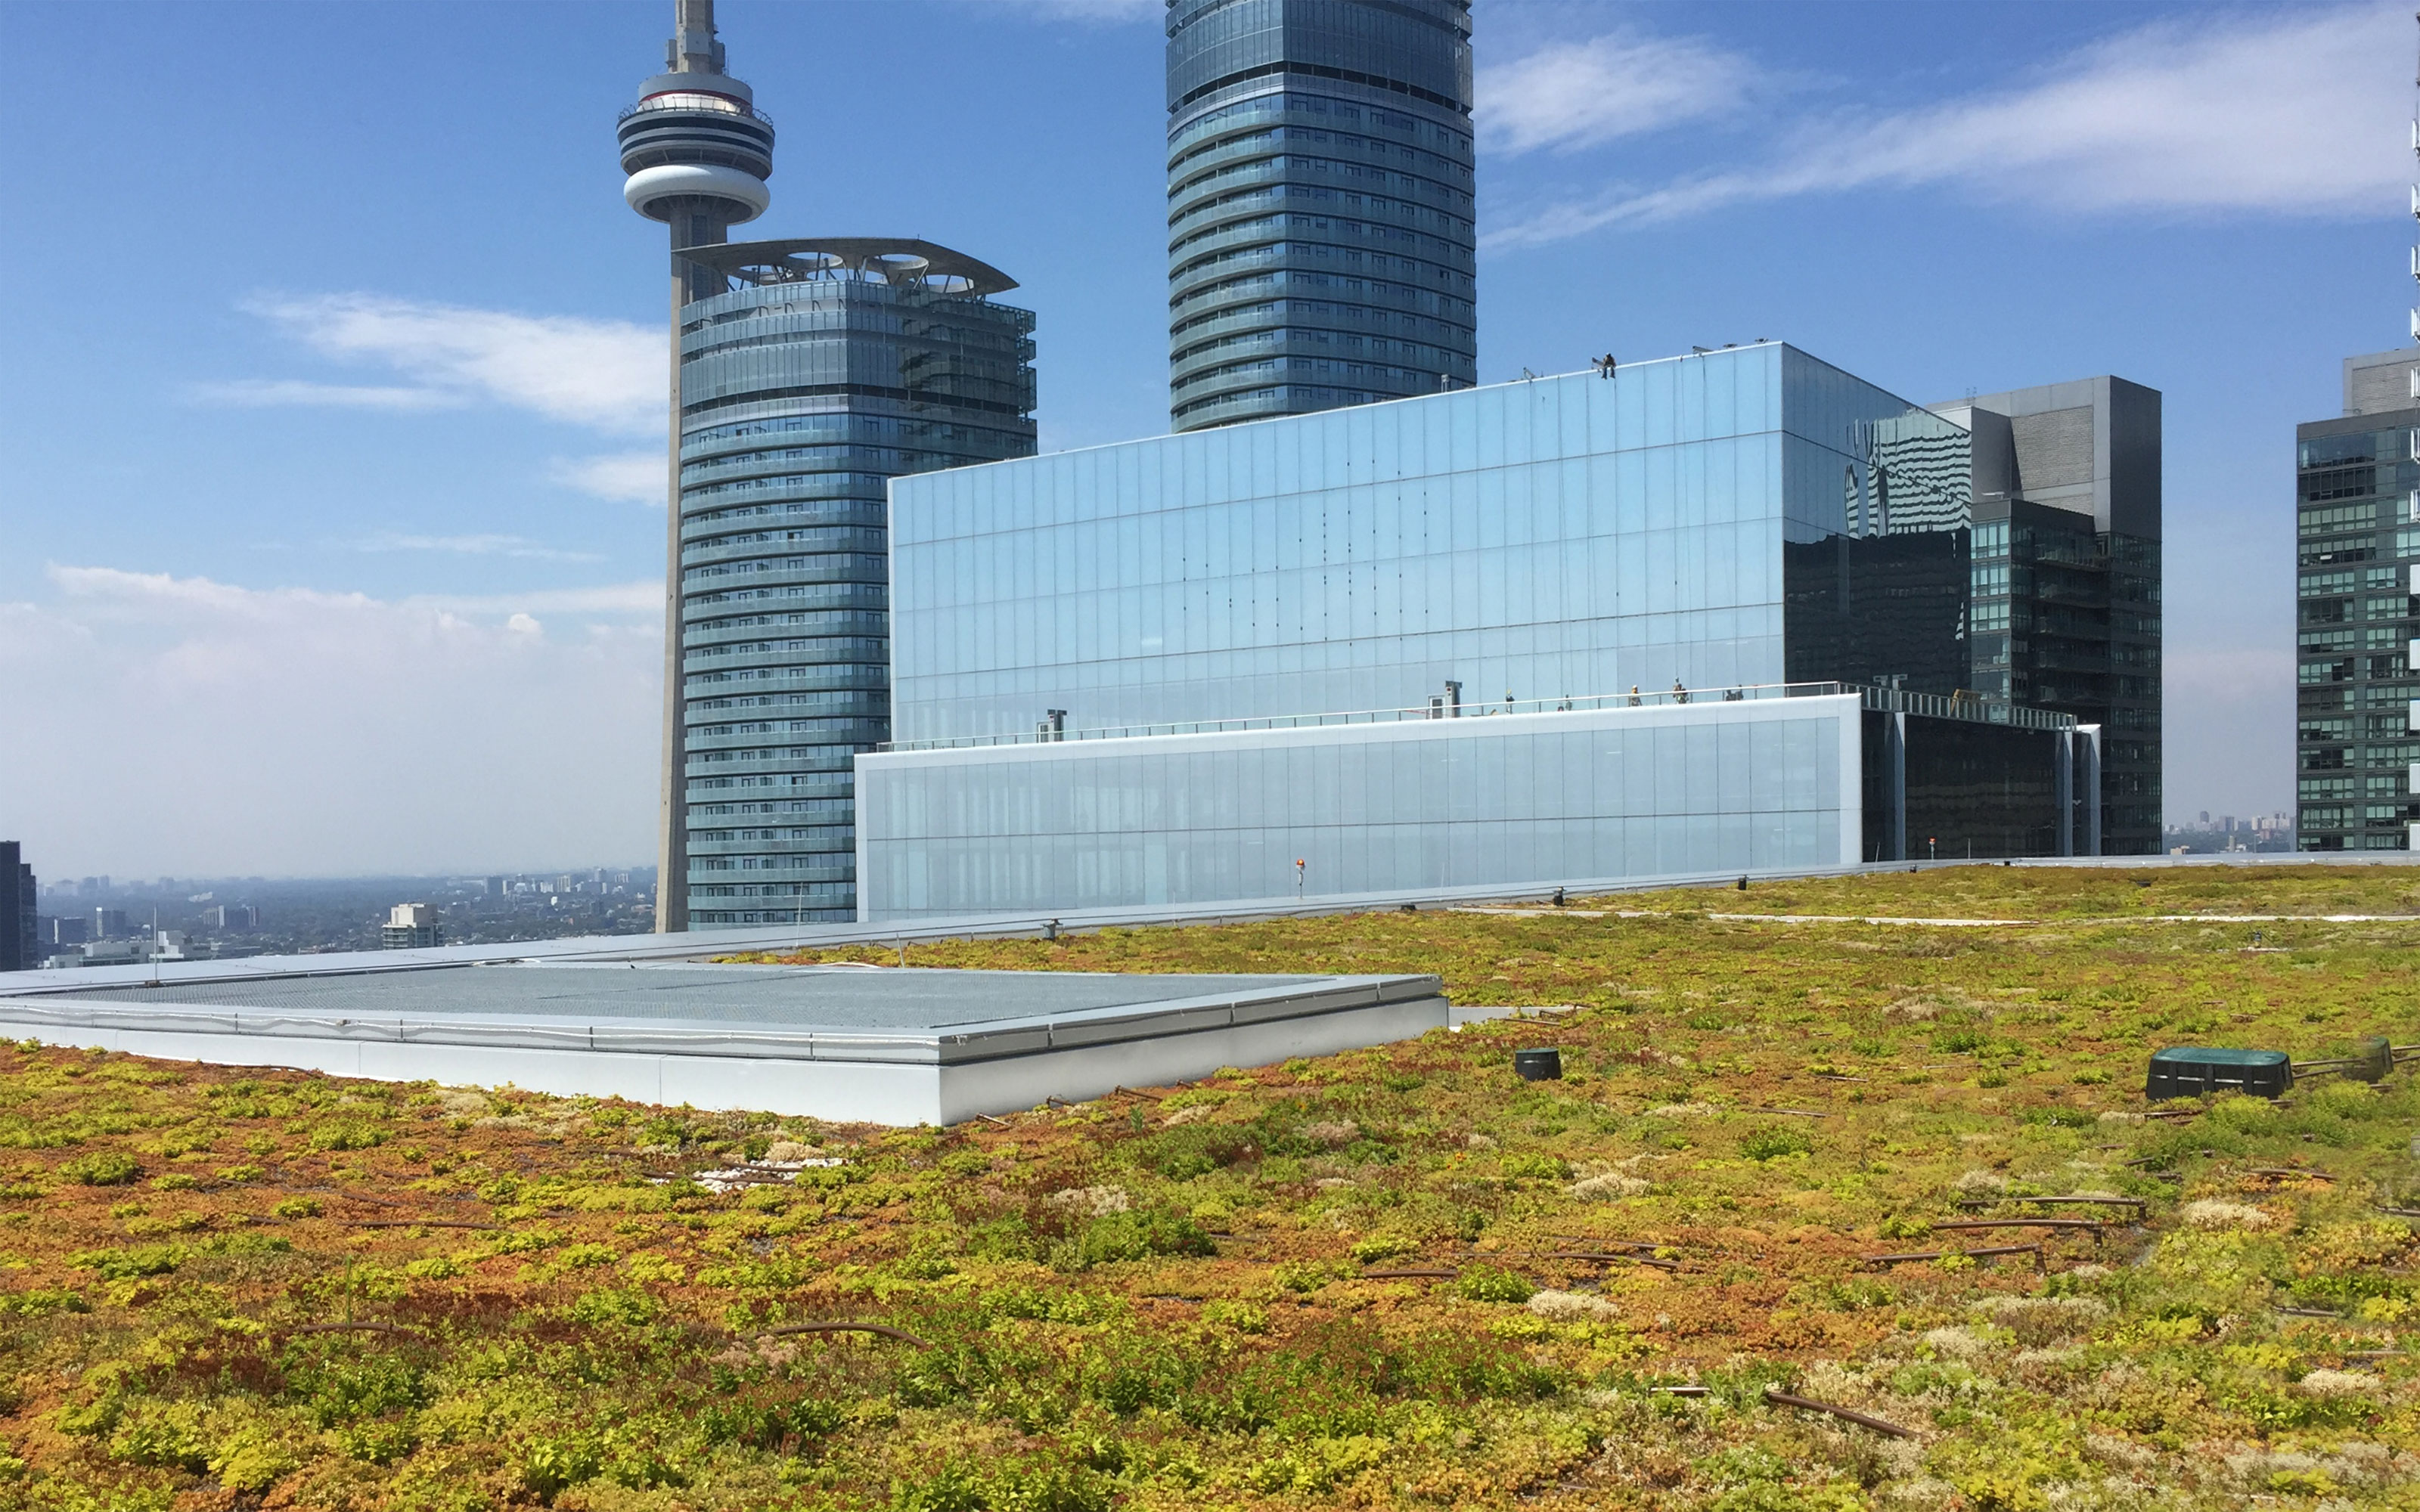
(2090, 1226)
(1809, 1404)
(2396, 1212)
(2285, 1170)
(883, 1329)
(1986, 1251)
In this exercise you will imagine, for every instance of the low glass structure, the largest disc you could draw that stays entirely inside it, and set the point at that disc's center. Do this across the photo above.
(1321, 247)
(1366, 808)
(824, 370)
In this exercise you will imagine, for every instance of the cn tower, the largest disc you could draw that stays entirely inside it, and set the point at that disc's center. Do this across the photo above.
(697, 154)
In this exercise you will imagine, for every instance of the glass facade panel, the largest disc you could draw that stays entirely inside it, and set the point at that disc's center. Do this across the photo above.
(2358, 557)
(1181, 819)
(1572, 535)
(799, 401)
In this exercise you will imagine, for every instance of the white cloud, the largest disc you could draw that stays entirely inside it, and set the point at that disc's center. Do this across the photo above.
(636, 477)
(261, 394)
(607, 374)
(189, 725)
(472, 546)
(2295, 112)
(1571, 95)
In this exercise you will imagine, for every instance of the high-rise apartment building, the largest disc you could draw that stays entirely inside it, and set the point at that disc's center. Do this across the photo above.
(806, 375)
(1319, 243)
(20, 925)
(409, 926)
(2066, 574)
(2357, 595)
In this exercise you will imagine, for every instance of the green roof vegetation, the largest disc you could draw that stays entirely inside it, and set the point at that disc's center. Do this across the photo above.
(1728, 1262)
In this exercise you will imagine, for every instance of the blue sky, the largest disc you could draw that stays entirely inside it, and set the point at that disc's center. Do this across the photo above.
(330, 433)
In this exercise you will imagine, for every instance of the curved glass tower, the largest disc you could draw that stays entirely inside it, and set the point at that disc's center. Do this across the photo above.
(824, 369)
(1320, 246)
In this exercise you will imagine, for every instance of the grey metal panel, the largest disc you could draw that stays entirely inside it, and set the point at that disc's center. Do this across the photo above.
(1263, 1011)
(1065, 1033)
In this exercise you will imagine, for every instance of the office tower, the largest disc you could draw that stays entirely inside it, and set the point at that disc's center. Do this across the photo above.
(67, 932)
(109, 923)
(2066, 613)
(806, 373)
(1722, 598)
(20, 924)
(1320, 244)
(2357, 552)
(412, 926)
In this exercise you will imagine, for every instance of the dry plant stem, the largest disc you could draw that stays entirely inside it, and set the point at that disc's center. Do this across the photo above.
(355, 1328)
(883, 1329)
(1808, 1404)
(419, 1223)
(1406, 1272)
(2136, 1203)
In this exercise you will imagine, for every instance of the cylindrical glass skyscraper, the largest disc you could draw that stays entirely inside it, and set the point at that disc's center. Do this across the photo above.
(1320, 240)
(829, 367)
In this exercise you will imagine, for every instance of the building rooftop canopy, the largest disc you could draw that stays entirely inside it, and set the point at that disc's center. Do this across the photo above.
(895, 260)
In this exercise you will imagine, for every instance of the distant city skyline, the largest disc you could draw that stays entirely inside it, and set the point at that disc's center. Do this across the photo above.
(347, 558)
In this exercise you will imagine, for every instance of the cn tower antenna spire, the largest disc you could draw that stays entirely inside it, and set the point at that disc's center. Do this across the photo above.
(693, 49)
(697, 154)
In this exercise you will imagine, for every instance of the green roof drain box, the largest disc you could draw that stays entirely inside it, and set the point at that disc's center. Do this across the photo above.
(2191, 1073)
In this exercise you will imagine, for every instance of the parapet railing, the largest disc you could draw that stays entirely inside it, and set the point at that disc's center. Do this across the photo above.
(1963, 706)
(1887, 699)
(692, 100)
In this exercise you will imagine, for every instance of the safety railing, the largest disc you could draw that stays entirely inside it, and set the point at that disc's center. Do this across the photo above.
(1886, 699)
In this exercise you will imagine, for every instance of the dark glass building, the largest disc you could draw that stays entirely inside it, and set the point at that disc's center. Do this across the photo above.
(1319, 243)
(2357, 535)
(826, 369)
(20, 946)
(2066, 574)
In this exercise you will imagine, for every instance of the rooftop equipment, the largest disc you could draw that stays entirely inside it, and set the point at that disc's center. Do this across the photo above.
(2180, 1071)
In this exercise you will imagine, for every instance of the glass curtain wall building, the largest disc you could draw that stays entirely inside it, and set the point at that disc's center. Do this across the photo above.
(1166, 670)
(1320, 234)
(2357, 601)
(1709, 520)
(822, 370)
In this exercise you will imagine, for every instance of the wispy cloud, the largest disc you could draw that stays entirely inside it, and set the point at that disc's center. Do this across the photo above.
(636, 477)
(470, 546)
(260, 393)
(607, 374)
(1095, 13)
(2284, 113)
(1573, 95)
(330, 733)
